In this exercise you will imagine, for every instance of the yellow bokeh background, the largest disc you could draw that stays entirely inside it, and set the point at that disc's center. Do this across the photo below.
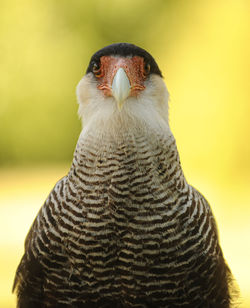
(203, 50)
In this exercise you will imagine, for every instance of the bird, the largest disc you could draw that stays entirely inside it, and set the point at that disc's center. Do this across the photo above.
(124, 228)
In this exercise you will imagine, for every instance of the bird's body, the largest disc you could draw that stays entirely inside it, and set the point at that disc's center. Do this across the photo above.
(124, 228)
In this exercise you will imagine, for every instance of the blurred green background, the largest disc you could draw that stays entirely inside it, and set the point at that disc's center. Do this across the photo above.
(203, 50)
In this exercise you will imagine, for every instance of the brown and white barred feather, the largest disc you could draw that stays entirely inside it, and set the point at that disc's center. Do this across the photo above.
(123, 228)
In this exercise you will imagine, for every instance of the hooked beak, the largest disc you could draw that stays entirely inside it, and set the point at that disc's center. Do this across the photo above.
(120, 87)
(121, 77)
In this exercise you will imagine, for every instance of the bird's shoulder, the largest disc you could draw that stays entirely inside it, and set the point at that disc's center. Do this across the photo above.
(48, 213)
(42, 240)
(203, 222)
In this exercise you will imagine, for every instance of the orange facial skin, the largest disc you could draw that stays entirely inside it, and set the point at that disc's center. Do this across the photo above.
(134, 68)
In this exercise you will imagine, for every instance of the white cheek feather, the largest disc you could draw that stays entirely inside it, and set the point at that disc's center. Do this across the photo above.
(147, 111)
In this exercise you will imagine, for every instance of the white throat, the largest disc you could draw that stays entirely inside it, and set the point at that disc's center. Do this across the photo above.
(148, 111)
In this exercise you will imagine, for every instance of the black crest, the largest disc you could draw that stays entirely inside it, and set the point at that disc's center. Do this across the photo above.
(124, 50)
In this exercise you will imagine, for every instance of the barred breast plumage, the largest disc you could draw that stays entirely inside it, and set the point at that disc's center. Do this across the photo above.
(124, 228)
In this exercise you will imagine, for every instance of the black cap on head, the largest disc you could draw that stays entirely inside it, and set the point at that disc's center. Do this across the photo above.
(124, 50)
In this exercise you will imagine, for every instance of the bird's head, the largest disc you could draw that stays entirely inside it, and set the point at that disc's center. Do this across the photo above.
(121, 77)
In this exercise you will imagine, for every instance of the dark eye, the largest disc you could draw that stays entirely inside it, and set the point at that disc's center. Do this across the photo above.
(147, 68)
(96, 69)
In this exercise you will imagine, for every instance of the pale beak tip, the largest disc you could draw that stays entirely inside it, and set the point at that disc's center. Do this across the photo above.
(120, 87)
(119, 105)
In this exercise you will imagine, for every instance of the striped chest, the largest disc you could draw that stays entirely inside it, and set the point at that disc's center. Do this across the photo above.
(129, 202)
